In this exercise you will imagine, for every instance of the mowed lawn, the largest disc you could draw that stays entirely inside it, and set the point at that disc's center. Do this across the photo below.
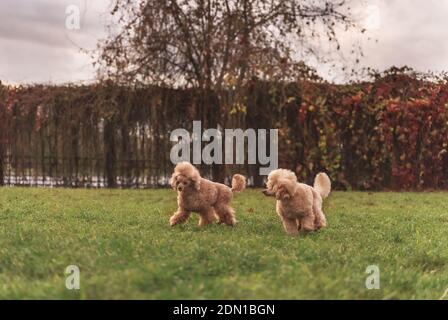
(125, 249)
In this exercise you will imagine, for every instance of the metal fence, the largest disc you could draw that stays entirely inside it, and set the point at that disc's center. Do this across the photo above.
(98, 136)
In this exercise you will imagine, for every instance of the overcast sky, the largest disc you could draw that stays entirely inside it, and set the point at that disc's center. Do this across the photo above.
(36, 45)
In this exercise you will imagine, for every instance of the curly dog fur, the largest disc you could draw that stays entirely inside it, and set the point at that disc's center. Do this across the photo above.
(209, 199)
(298, 205)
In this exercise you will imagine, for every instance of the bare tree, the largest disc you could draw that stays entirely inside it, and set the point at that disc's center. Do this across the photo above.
(210, 44)
(218, 46)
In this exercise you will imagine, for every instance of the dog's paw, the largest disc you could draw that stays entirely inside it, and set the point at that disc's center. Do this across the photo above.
(173, 221)
(232, 222)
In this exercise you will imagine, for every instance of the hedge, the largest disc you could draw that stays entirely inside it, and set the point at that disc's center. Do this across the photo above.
(390, 133)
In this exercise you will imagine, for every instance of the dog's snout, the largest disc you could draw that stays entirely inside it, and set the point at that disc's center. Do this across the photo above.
(266, 192)
(179, 188)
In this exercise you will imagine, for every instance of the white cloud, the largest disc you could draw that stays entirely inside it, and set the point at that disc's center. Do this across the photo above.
(36, 46)
(411, 32)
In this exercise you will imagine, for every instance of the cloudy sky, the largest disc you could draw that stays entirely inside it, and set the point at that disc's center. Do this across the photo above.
(37, 46)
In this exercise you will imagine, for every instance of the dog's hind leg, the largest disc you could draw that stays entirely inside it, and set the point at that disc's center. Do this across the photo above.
(206, 217)
(180, 216)
(320, 220)
(298, 224)
(290, 226)
(226, 214)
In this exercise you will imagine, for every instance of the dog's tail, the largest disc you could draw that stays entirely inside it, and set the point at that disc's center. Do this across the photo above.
(238, 183)
(322, 184)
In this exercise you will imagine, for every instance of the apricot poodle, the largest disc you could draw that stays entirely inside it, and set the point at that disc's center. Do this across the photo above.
(298, 205)
(208, 198)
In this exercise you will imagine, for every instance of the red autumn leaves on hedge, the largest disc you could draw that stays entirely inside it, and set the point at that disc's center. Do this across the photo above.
(389, 134)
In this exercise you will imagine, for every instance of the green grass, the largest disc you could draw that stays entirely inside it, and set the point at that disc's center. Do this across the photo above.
(121, 241)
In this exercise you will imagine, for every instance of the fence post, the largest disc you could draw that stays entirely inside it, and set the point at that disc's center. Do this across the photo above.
(110, 153)
(4, 121)
(2, 161)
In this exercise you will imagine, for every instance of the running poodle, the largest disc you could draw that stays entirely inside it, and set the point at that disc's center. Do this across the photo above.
(196, 194)
(298, 205)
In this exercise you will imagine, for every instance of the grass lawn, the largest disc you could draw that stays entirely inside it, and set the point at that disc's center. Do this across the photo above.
(121, 241)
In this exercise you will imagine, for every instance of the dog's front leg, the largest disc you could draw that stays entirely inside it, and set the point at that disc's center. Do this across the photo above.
(206, 217)
(290, 226)
(307, 223)
(180, 216)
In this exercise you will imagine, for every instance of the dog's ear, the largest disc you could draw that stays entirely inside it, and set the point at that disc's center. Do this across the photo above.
(290, 187)
(173, 180)
(285, 190)
(196, 179)
(282, 193)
